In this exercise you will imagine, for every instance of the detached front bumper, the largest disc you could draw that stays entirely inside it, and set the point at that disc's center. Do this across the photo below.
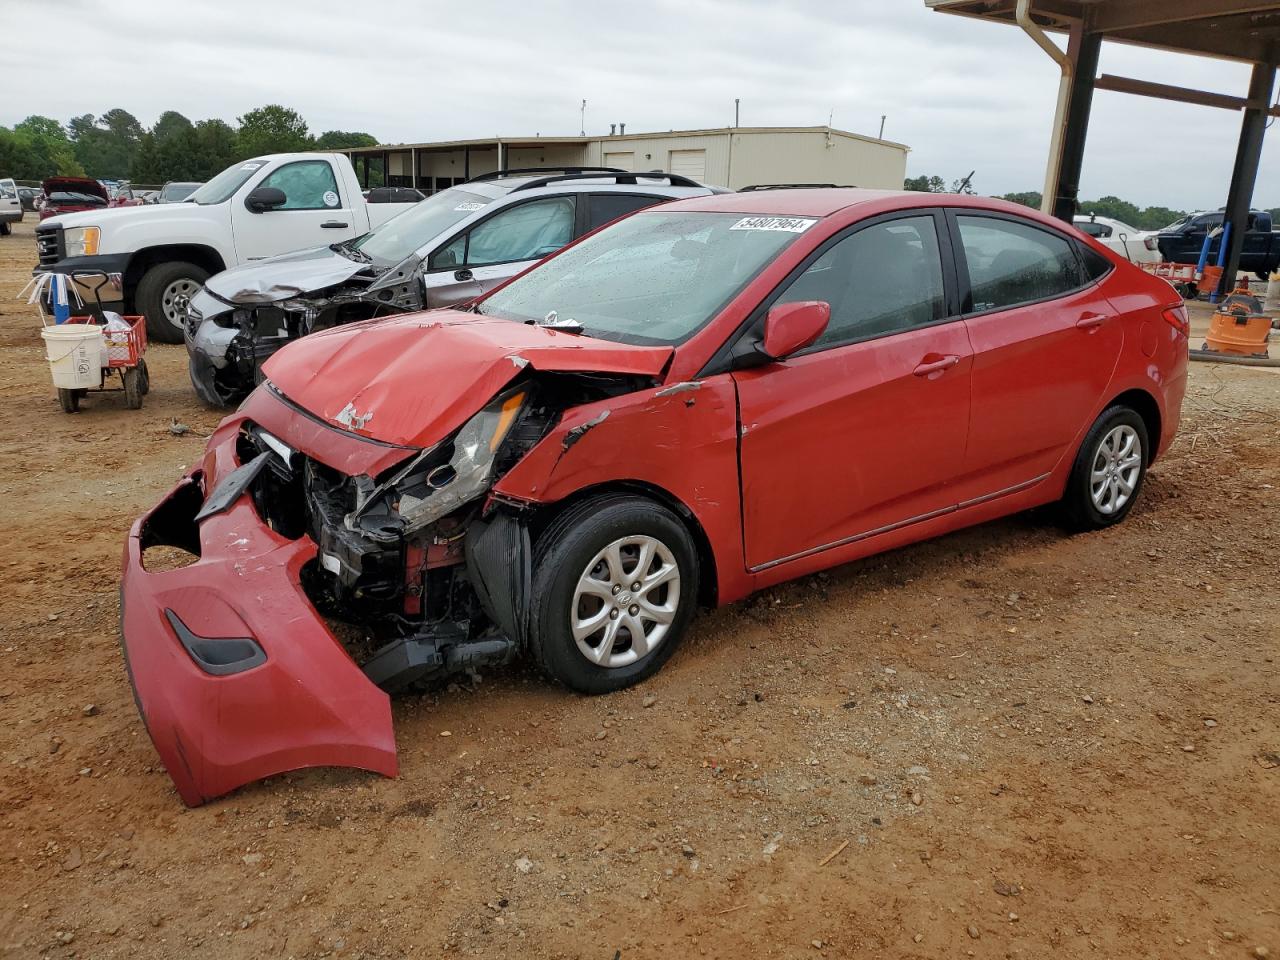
(235, 674)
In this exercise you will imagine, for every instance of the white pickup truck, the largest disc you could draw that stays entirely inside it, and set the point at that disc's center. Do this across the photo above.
(255, 209)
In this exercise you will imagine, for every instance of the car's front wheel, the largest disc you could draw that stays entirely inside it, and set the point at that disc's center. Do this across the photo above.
(615, 583)
(1109, 469)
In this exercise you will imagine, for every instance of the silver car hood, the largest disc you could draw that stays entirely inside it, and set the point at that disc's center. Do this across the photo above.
(284, 277)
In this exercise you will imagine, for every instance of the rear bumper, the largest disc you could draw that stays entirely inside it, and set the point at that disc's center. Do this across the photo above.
(264, 687)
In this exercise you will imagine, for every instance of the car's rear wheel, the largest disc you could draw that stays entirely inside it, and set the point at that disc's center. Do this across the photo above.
(615, 582)
(162, 297)
(1110, 466)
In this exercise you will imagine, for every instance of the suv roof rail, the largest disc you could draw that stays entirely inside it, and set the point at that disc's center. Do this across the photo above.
(619, 176)
(521, 171)
(797, 186)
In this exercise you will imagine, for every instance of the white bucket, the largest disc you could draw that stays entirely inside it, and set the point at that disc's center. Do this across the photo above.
(76, 353)
(1273, 293)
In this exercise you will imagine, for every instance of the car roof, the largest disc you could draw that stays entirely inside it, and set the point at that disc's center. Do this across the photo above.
(821, 202)
(500, 186)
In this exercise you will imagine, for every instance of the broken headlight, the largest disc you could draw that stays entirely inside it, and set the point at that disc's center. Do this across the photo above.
(426, 489)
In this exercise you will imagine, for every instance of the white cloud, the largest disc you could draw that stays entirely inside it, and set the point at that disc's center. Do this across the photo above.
(964, 95)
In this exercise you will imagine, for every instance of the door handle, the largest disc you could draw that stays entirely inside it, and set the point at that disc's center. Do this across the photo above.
(462, 275)
(333, 225)
(1091, 321)
(925, 368)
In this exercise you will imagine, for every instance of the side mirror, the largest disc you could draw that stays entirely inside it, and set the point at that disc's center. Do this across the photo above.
(789, 327)
(265, 198)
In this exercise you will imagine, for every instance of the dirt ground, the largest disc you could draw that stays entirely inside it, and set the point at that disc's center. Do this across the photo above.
(1004, 743)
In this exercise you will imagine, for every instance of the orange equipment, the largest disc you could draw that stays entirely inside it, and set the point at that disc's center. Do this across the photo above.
(1239, 327)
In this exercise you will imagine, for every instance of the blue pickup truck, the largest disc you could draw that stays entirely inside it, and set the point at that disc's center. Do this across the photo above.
(1181, 242)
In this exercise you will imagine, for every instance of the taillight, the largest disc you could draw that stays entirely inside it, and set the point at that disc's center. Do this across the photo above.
(1150, 243)
(1177, 318)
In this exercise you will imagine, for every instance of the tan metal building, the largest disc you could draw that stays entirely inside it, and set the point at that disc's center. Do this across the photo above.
(733, 157)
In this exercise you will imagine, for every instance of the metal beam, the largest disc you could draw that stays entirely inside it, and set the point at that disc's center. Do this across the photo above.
(1163, 91)
(1133, 14)
(1245, 174)
(1085, 51)
(1190, 38)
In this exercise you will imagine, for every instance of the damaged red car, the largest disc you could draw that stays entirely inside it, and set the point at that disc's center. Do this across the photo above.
(695, 402)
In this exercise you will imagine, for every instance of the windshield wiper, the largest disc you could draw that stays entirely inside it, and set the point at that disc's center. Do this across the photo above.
(553, 322)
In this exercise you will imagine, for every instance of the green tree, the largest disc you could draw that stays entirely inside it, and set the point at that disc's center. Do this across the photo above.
(51, 151)
(171, 124)
(1112, 207)
(106, 147)
(342, 139)
(166, 151)
(1028, 198)
(17, 158)
(1153, 218)
(272, 129)
(923, 184)
(215, 148)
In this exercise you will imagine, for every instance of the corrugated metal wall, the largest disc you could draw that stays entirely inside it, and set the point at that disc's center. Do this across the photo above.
(813, 157)
(734, 158)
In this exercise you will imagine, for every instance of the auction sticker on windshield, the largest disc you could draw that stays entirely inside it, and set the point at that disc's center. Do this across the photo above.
(469, 206)
(330, 198)
(785, 224)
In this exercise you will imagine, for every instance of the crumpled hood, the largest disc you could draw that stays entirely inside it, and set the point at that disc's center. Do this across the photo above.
(414, 379)
(280, 278)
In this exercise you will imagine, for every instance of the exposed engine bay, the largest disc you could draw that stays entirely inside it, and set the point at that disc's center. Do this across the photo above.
(429, 573)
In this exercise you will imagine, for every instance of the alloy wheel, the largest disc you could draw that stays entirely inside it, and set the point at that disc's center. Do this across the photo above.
(1117, 466)
(625, 601)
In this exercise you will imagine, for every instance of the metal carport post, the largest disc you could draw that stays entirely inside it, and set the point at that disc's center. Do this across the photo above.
(1240, 30)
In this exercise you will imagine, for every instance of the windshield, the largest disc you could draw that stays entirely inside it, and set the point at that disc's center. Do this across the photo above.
(226, 183)
(403, 234)
(654, 278)
(173, 192)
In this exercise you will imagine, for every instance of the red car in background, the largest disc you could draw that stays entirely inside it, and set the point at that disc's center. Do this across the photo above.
(72, 195)
(690, 404)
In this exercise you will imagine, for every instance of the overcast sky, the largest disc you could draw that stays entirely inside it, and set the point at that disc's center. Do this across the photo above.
(964, 95)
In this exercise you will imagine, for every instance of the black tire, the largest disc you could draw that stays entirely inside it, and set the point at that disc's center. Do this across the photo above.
(132, 378)
(151, 297)
(1080, 511)
(69, 399)
(146, 376)
(561, 556)
(5, 229)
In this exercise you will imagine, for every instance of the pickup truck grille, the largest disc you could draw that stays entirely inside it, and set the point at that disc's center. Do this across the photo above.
(50, 245)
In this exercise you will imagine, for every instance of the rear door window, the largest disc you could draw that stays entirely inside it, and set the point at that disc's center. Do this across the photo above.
(604, 208)
(1012, 263)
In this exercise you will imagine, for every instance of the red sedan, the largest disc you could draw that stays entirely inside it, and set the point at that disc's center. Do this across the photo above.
(692, 403)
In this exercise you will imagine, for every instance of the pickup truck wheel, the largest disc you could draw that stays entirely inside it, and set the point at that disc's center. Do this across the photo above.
(162, 297)
(4, 229)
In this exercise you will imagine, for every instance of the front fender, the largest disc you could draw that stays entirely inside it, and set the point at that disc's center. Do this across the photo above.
(681, 439)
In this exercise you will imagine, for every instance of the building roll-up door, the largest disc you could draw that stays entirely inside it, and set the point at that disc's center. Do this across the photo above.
(689, 163)
(623, 161)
